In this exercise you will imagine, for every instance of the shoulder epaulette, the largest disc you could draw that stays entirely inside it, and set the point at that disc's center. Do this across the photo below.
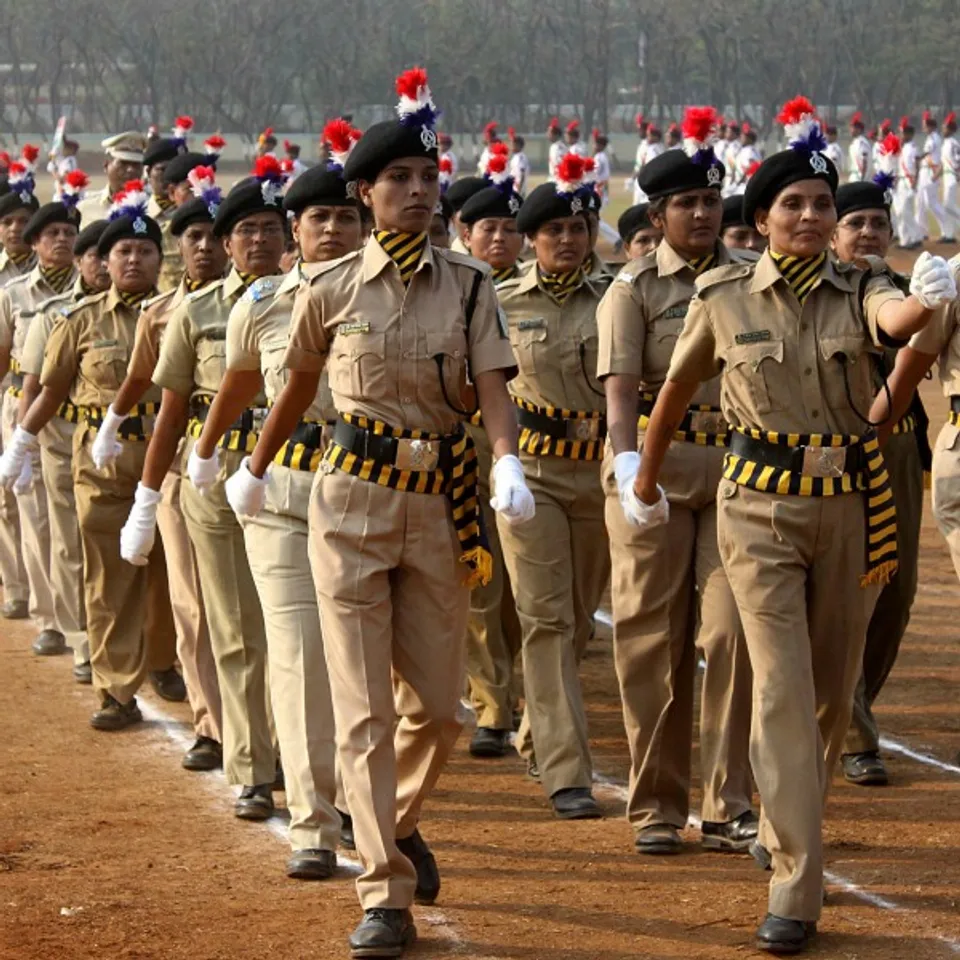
(22, 278)
(321, 270)
(462, 259)
(203, 292)
(739, 255)
(636, 268)
(55, 301)
(159, 298)
(73, 308)
(262, 289)
(724, 274)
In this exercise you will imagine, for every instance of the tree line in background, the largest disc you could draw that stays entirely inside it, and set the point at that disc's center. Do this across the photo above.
(237, 65)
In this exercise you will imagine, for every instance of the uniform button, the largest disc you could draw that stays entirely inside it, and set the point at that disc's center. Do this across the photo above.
(406, 354)
(456, 353)
(816, 413)
(408, 399)
(808, 371)
(803, 328)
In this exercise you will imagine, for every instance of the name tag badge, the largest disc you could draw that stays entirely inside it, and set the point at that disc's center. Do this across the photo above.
(753, 336)
(533, 323)
(105, 343)
(676, 312)
(358, 326)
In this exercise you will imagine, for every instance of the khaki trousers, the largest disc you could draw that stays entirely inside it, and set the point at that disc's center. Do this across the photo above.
(126, 605)
(794, 565)
(671, 598)
(236, 629)
(278, 550)
(892, 612)
(387, 573)
(66, 551)
(34, 529)
(493, 632)
(12, 572)
(558, 565)
(186, 601)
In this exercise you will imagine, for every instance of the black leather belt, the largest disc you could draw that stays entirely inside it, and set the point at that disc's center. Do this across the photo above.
(383, 450)
(560, 428)
(252, 419)
(792, 459)
(955, 404)
(308, 434)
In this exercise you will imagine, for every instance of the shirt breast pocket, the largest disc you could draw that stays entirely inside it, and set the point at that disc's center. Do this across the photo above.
(758, 370)
(211, 363)
(529, 347)
(271, 363)
(105, 367)
(358, 365)
(447, 355)
(847, 361)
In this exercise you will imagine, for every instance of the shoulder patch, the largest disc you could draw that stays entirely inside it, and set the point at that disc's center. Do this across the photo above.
(462, 259)
(634, 269)
(260, 290)
(19, 280)
(724, 274)
(55, 303)
(203, 292)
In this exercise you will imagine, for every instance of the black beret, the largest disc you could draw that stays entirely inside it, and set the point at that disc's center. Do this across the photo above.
(633, 219)
(89, 237)
(247, 198)
(162, 151)
(491, 202)
(864, 195)
(130, 227)
(11, 202)
(780, 171)
(460, 191)
(50, 213)
(733, 212)
(547, 203)
(177, 170)
(194, 210)
(674, 172)
(386, 142)
(317, 187)
(443, 209)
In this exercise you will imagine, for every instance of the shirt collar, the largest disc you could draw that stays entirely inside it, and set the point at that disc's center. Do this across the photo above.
(233, 285)
(768, 273)
(669, 262)
(376, 259)
(114, 303)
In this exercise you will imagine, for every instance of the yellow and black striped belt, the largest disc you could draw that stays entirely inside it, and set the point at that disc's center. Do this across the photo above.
(240, 436)
(304, 449)
(15, 389)
(417, 461)
(906, 425)
(822, 465)
(137, 426)
(69, 411)
(703, 425)
(572, 434)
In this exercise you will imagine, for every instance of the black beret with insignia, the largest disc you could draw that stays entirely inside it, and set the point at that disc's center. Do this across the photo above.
(49, 213)
(674, 172)
(162, 151)
(177, 170)
(460, 191)
(491, 202)
(128, 220)
(567, 196)
(318, 187)
(89, 237)
(864, 195)
(260, 193)
(632, 220)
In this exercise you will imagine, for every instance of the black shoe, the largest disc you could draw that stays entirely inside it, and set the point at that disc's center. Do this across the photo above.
(346, 831)
(49, 643)
(255, 803)
(947, 240)
(279, 780)
(488, 742)
(736, 835)
(659, 839)
(15, 610)
(169, 685)
(864, 769)
(533, 771)
(83, 672)
(575, 803)
(761, 854)
(383, 933)
(415, 849)
(311, 864)
(114, 715)
(206, 754)
(780, 935)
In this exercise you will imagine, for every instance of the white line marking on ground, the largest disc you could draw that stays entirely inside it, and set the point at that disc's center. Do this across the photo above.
(895, 746)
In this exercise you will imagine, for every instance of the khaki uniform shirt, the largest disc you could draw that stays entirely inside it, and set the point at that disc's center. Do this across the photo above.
(938, 338)
(172, 268)
(193, 355)
(89, 349)
(31, 360)
(781, 364)
(378, 339)
(258, 333)
(555, 346)
(10, 270)
(94, 206)
(154, 316)
(19, 301)
(641, 317)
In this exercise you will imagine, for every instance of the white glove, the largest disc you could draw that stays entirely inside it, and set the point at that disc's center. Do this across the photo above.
(644, 515)
(106, 447)
(932, 282)
(512, 498)
(15, 455)
(203, 473)
(140, 530)
(25, 481)
(245, 492)
(625, 468)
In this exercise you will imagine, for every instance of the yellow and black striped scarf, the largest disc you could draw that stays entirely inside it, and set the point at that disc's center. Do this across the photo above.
(801, 273)
(404, 249)
(874, 483)
(701, 264)
(57, 278)
(461, 487)
(20, 259)
(539, 444)
(247, 278)
(86, 290)
(164, 203)
(192, 286)
(560, 285)
(506, 273)
(133, 299)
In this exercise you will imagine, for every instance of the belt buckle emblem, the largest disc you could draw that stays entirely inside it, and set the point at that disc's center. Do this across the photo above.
(824, 461)
(584, 430)
(707, 421)
(418, 455)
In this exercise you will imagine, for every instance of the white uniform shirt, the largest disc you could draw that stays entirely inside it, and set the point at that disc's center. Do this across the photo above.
(748, 155)
(519, 170)
(858, 157)
(580, 149)
(908, 167)
(835, 152)
(558, 151)
(930, 166)
(950, 158)
(601, 173)
(641, 158)
(482, 162)
(299, 167)
(730, 155)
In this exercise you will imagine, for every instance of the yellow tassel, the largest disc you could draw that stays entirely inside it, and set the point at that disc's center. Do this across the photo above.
(880, 574)
(479, 564)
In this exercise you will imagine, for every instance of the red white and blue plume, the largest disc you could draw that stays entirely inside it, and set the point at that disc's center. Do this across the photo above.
(341, 136)
(416, 107)
(74, 185)
(269, 172)
(888, 161)
(20, 180)
(700, 129)
(203, 185)
(213, 147)
(497, 173)
(446, 173)
(804, 133)
(572, 179)
(181, 130)
(28, 156)
(131, 202)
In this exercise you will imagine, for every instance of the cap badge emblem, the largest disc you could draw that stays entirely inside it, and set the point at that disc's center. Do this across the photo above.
(513, 204)
(139, 225)
(819, 162)
(713, 177)
(576, 205)
(428, 138)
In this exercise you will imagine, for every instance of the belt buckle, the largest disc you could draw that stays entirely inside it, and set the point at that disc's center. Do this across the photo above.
(586, 429)
(259, 418)
(824, 461)
(707, 421)
(418, 454)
